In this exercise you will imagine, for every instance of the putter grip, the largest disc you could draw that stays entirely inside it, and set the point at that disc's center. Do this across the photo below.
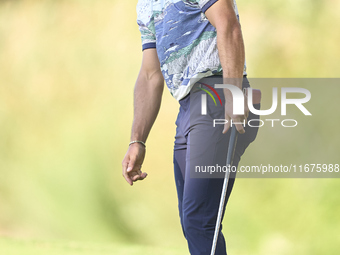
(232, 145)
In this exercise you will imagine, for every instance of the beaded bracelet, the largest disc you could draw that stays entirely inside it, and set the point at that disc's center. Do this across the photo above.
(136, 141)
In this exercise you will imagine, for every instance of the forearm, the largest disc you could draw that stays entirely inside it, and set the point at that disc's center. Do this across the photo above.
(147, 100)
(231, 52)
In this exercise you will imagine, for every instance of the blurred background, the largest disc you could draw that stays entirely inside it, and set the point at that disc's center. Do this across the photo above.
(67, 72)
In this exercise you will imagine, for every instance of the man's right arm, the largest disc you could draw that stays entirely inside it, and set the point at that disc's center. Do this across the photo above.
(231, 53)
(147, 100)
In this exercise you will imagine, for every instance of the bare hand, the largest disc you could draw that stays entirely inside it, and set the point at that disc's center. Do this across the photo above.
(132, 163)
(239, 119)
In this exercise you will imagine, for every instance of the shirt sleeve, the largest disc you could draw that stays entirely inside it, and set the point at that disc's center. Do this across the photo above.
(145, 21)
(205, 4)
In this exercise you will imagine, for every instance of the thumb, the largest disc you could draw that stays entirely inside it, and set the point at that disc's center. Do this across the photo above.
(226, 125)
(131, 165)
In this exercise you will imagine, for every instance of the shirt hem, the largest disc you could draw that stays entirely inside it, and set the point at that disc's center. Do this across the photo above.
(148, 46)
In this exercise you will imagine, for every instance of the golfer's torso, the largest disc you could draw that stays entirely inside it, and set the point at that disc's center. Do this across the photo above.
(185, 41)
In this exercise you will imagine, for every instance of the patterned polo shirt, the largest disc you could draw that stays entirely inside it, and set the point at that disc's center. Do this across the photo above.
(184, 39)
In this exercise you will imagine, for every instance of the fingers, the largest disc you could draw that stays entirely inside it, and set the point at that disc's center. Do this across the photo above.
(241, 120)
(134, 172)
(125, 173)
(226, 125)
(238, 121)
(240, 128)
(140, 176)
(132, 175)
(132, 164)
(129, 171)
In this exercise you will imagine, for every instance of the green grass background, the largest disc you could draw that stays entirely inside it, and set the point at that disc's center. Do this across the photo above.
(67, 71)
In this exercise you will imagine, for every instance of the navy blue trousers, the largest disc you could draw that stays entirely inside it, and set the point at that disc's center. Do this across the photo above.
(197, 143)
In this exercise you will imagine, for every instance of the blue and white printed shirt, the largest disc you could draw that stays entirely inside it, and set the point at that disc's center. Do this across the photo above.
(184, 38)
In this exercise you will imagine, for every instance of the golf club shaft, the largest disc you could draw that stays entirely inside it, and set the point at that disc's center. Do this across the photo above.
(230, 157)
